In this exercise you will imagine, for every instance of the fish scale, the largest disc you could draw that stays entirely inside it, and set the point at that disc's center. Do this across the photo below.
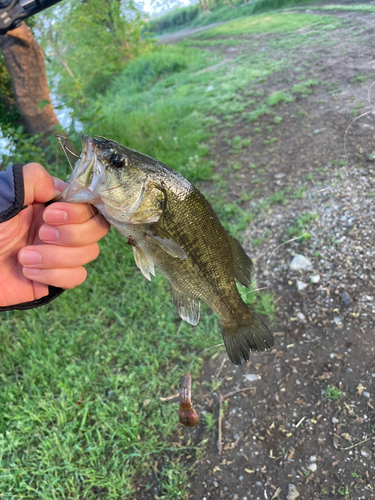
(171, 226)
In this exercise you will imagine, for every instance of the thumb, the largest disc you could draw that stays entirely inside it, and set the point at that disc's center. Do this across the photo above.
(39, 185)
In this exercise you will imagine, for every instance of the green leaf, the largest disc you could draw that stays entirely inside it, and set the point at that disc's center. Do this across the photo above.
(43, 103)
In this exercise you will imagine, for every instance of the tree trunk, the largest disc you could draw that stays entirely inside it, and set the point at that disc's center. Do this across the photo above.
(25, 62)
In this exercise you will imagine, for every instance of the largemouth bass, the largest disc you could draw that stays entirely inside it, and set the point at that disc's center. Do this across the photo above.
(170, 225)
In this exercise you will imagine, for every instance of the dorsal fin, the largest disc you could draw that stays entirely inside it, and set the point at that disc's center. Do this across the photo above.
(187, 307)
(242, 263)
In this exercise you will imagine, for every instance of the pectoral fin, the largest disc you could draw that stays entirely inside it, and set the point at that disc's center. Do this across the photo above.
(187, 307)
(144, 263)
(167, 243)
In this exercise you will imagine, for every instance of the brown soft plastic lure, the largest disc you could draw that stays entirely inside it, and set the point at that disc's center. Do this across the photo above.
(187, 415)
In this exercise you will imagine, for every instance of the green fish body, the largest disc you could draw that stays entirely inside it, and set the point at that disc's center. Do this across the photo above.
(170, 225)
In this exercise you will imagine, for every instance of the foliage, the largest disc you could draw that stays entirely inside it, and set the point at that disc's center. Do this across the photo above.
(87, 43)
(174, 20)
(24, 148)
(8, 110)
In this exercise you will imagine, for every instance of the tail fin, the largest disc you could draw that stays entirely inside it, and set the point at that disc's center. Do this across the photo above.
(241, 339)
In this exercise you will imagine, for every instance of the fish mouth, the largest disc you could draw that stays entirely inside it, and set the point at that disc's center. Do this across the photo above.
(83, 179)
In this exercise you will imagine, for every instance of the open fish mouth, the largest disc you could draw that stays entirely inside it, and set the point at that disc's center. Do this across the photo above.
(84, 179)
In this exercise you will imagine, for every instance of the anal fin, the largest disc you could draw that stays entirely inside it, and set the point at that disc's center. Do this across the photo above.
(187, 307)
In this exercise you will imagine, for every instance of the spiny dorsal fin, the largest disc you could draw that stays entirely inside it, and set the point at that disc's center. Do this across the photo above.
(167, 243)
(242, 263)
(144, 263)
(187, 307)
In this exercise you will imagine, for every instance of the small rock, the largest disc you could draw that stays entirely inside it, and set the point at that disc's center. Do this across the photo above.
(301, 317)
(312, 467)
(345, 297)
(252, 377)
(293, 493)
(337, 320)
(366, 394)
(313, 458)
(335, 420)
(366, 453)
(215, 483)
(301, 285)
(300, 262)
(315, 278)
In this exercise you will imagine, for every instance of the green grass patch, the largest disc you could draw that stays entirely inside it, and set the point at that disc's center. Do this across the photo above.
(269, 24)
(278, 97)
(305, 88)
(301, 225)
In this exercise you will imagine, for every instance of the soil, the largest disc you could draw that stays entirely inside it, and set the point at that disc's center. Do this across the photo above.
(299, 421)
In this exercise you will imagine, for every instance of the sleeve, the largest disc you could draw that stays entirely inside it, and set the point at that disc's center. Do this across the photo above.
(12, 196)
(12, 192)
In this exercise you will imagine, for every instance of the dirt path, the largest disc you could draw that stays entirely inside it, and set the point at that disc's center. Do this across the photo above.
(304, 425)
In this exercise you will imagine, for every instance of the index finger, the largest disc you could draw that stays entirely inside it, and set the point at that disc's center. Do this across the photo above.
(60, 213)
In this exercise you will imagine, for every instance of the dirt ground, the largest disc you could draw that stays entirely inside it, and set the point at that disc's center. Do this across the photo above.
(299, 421)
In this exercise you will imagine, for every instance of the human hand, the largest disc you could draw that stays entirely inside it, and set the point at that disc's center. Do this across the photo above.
(44, 246)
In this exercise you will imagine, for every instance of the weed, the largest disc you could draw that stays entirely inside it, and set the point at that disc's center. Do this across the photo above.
(304, 88)
(299, 193)
(278, 197)
(238, 143)
(301, 224)
(278, 97)
(277, 119)
(333, 392)
(210, 422)
(359, 78)
(344, 491)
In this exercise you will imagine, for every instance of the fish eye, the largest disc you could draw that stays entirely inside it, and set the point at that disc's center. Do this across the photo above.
(116, 160)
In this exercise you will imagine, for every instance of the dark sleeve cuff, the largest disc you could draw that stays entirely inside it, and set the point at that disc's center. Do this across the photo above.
(12, 195)
(15, 190)
(53, 293)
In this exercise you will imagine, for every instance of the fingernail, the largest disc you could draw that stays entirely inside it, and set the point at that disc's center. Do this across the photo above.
(59, 184)
(30, 272)
(49, 233)
(29, 257)
(54, 215)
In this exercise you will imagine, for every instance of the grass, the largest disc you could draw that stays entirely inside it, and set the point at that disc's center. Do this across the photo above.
(301, 225)
(270, 24)
(192, 16)
(81, 377)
